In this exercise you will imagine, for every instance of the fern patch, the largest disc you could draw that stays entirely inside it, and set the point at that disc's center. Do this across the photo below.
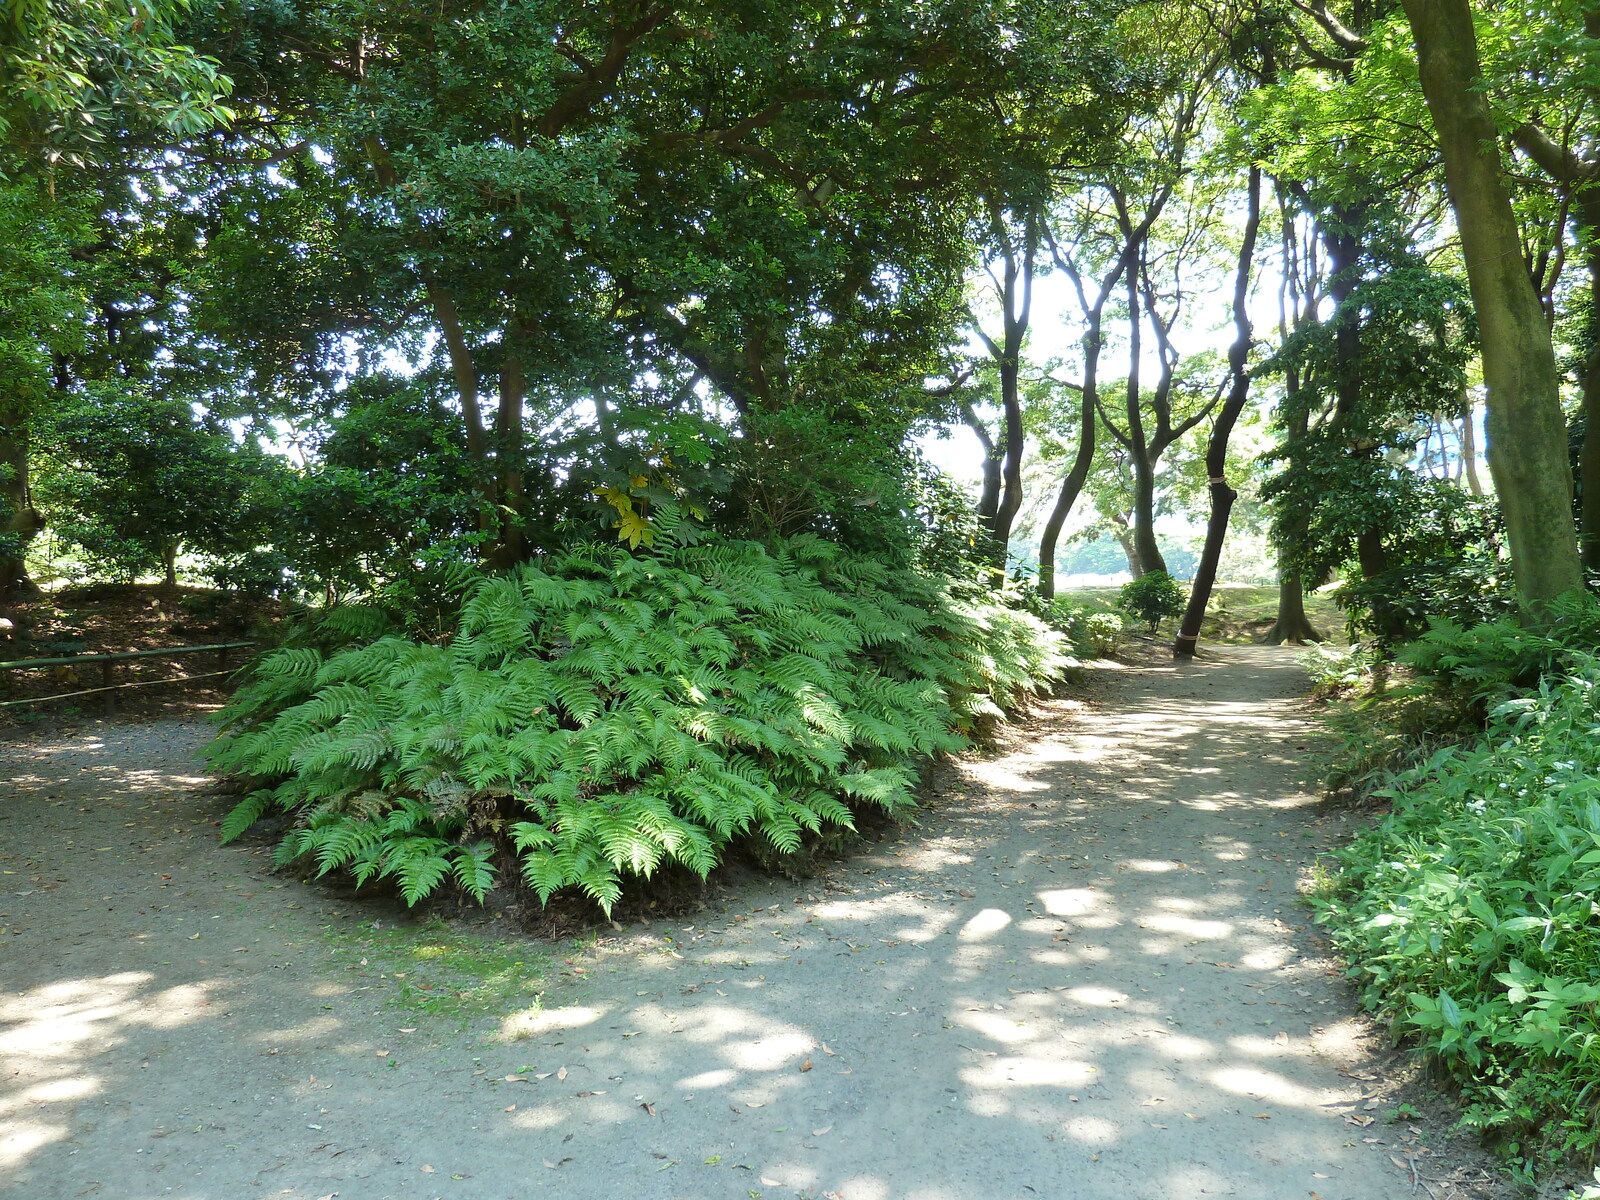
(602, 713)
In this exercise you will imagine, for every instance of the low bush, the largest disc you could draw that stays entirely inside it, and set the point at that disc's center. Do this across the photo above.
(1102, 634)
(1153, 597)
(1485, 663)
(1336, 671)
(600, 713)
(1471, 915)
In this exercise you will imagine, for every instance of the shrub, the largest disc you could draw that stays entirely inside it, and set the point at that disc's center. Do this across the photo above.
(1102, 634)
(1469, 915)
(600, 713)
(1486, 663)
(1334, 671)
(1152, 597)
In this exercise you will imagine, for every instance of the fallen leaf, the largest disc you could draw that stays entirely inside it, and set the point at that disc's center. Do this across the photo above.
(713, 1160)
(820, 1132)
(1263, 1116)
(581, 1095)
(426, 1169)
(562, 1073)
(827, 1051)
(770, 1182)
(806, 1066)
(1282, 1039)
(649, 1108)
(755, 1104)
(516, 1079)
(509, 1108)
(413, 1029)
(383, 1054)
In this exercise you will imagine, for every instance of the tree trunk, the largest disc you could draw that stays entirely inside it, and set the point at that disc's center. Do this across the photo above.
(1016, 303)
(1469, 445)
(1222, 495)
(1589, 458)
(1145, 550)
(511, 545)
(1292, 625)
(1144, 513)
(1525, 433)
(1072, 485)
(169, 566)
(20, 522)
(1130, 549)
(989, 496)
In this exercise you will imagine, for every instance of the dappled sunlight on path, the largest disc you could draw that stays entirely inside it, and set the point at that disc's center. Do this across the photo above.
(1076, 979)
(1079, 978)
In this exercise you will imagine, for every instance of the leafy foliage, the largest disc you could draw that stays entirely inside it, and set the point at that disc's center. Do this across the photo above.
(1153, 597)
(599, 714)
(1102, 634)
(1488, 662)
(1469, 915)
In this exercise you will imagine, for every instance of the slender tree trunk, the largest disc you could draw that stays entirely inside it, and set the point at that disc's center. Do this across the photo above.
(169, 566)
(989, 496)
(1589, 458)
(511, 545)
(1469, 445)
(1525, 433)
(1292, 625)
(1222, 495)
(1016, 302)
(1146, 551)
(1072, 485)
(20, 522)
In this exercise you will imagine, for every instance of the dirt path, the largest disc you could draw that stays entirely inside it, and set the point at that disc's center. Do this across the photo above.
(1083, 977)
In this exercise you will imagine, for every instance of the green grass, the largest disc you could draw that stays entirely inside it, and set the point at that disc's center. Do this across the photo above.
(442, 971)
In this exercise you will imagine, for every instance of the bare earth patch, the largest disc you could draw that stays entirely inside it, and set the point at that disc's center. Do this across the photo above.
(1086, 974)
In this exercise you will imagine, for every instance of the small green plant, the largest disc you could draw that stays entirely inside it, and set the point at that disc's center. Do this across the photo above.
(1153, 597)
(1336, 672)
(1102, 634)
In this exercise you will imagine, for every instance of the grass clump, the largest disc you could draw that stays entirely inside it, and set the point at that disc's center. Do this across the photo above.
(442, 971)
(1471, 915)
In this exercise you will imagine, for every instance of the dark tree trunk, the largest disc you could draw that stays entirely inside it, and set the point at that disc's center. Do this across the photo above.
(1526, 435)
(1589, 458)
(1222, 495)
(20, 522)
(1016, 303)
(1292, 625)
(1071, 487)
(989, 497)
(1146, 552)
(511, 545)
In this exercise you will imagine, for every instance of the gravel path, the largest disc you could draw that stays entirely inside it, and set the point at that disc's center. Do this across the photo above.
(1083, 976)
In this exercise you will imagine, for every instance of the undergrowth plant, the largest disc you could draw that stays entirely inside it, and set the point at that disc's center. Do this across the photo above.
(599, 713)
(1471, 915)
(1152, 597)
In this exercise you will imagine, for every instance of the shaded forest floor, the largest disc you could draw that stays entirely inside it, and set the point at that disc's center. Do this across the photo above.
(1087, 973)
(110, 619)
